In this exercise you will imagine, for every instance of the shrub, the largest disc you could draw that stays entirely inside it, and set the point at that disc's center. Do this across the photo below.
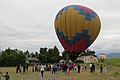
(79, 61)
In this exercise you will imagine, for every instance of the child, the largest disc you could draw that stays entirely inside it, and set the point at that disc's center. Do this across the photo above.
(7, 77)
(68, 70)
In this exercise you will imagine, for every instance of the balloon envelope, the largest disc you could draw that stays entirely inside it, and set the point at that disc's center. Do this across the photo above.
(77, 27)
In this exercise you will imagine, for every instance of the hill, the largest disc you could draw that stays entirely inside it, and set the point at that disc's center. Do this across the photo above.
(113, 61)
(113, 55)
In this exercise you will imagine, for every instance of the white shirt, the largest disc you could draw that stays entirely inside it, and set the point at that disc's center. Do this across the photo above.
(42, 68)
(90, 65)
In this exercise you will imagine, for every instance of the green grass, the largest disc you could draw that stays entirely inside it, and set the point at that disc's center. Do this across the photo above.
(113, 73)
(113, 61)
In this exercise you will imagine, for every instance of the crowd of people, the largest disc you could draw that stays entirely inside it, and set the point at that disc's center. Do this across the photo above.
(65, 67)
(19, 68)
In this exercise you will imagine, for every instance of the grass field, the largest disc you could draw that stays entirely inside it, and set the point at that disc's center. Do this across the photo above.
(113, 73)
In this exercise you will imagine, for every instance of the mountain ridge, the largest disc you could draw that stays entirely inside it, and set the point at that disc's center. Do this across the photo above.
(113, 55)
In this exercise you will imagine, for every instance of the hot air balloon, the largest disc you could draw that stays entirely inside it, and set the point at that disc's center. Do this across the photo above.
(76, 27)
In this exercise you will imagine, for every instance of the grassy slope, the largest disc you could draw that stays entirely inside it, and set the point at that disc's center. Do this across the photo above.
(113, 61)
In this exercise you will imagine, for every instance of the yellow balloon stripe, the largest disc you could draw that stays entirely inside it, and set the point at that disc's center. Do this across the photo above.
(92, 26)
(63, 22)
(80, 23)
(59, 23)
(68, 21)
(97, 29)
(74, 22)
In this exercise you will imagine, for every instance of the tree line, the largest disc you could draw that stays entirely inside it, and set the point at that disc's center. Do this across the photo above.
(12, 57)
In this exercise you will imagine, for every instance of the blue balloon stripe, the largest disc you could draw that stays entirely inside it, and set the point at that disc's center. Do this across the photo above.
(64, 37)
(82, 11)
(59, 13)
(78, 36)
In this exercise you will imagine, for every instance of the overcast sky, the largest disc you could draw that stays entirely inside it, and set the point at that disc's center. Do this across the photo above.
(29, 24)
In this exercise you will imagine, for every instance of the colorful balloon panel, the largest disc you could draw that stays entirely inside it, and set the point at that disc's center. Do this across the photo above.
(77, 27)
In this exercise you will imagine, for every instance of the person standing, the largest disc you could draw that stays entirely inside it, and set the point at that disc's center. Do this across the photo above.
(68, 69)
(24, 68)
(17, 68)
(38, 67)
(54, 68)
(20, 69)
(78, 68)
(75, 67)
(93, 67)
(101, 68)
(27, 67)
(0, 75)
(90, 67)
(104, 69)
(33, 68)
(65, 68)
(42, 69)
(7, 77)
(85, 67)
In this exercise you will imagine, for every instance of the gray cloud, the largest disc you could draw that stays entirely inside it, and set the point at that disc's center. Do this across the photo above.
(29, 24)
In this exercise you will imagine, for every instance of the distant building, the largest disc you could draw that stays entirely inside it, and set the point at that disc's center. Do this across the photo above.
(32, 60)
(102, 56)
(88, 59)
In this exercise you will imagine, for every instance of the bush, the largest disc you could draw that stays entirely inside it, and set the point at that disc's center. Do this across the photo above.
(79, 61)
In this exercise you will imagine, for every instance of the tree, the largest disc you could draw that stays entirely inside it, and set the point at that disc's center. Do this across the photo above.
(42, 58)
(42, 55)
(53, 55)
(43, 50)
(12, 57)
(27, 53)
(32, 55)
(65, 55)
(50, 56)
(88, 52)
(36, 54)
